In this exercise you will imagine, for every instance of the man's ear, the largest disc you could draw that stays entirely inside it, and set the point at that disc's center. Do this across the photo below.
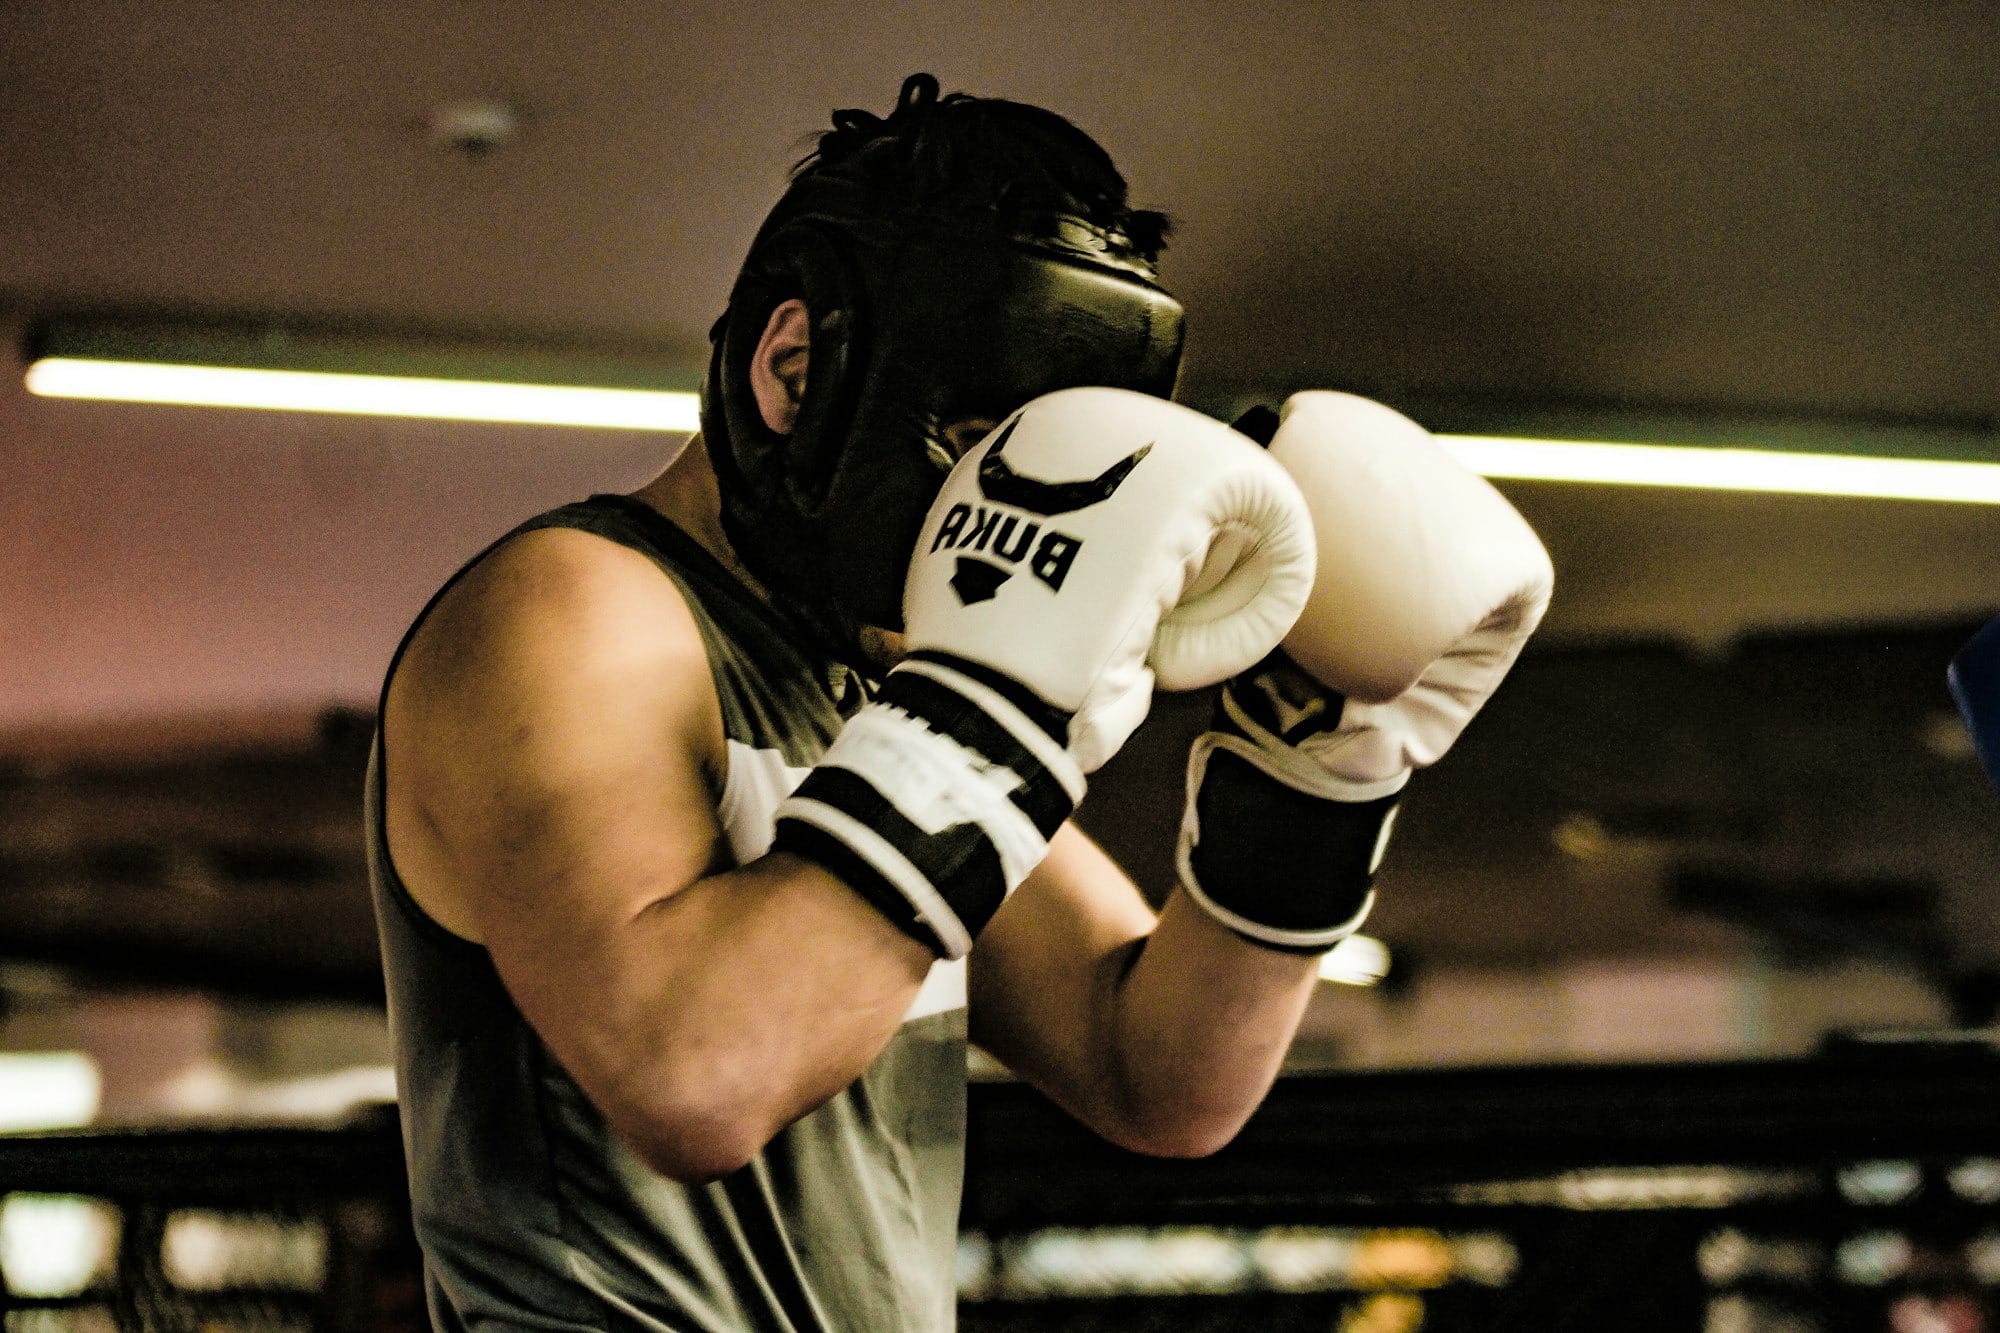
(778, 370)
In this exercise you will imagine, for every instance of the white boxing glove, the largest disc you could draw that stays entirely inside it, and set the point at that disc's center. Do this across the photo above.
(1428, 586)
(1096, 541)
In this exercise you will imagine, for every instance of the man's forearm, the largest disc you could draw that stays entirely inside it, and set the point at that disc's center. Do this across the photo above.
(1202, 1022)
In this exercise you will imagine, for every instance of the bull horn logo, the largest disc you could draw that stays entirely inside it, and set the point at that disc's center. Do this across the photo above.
(999, 482)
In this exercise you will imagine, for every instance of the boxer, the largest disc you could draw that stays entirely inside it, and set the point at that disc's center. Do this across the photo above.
(710, 823)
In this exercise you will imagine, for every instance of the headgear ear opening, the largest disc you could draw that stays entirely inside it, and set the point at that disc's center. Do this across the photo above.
(799, 260)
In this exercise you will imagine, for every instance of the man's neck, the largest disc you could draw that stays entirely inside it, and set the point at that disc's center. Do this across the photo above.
(686, 494)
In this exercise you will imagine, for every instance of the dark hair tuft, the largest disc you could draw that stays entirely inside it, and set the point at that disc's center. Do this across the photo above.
(961, 153)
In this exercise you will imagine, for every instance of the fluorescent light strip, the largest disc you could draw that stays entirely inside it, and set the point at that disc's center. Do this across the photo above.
(1681, 466)
(364, 395)
(1727, 469)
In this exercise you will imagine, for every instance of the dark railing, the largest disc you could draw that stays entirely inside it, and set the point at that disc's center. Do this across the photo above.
(1858, 1190)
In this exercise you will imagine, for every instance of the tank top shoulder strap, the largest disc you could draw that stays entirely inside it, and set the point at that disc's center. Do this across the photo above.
(775, 695)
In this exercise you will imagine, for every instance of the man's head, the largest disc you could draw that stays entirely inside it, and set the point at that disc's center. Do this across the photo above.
(953, 260)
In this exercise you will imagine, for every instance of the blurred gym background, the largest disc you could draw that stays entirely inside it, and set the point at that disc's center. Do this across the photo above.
(1689, 954)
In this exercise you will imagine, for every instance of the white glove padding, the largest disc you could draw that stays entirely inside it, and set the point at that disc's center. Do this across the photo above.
(1097, 538)
(1429, 583)
(1100, 538)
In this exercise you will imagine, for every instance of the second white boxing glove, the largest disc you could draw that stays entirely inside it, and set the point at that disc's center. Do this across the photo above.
(1428, 585)
(1096, 541)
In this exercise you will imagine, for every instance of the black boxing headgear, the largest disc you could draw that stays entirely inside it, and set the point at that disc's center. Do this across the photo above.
(924, 311)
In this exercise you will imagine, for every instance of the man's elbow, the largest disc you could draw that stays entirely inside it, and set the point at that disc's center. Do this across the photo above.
(697, 1116)
(1179, 1133)
(1186, 1144)
(688, 1160)
(693, 1140)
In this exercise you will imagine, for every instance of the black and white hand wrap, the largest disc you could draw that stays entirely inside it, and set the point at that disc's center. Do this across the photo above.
(1096, 541)
(937, 799)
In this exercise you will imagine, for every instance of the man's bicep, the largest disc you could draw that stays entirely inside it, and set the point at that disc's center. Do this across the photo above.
(1045, 972)
(561, 727)
(700, 1005)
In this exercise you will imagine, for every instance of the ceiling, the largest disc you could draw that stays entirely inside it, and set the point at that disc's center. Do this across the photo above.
(1722, 207)
(1725, 203)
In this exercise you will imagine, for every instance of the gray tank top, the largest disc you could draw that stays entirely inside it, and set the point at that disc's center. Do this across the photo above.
(533, 1215)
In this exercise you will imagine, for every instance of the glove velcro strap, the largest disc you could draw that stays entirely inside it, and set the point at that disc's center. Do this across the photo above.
(1001, 695)
(875, 868)
(1283, 867)
(961, 707)
(1298, 750)
(925, 824)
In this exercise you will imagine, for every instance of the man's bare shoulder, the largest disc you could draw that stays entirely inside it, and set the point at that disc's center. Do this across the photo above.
(559, 671)
(552, 590)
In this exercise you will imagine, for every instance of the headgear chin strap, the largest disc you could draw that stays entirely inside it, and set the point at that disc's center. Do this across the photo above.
(918, 319)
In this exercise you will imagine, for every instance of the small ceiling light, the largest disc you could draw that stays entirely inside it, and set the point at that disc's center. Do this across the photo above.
(473, 129)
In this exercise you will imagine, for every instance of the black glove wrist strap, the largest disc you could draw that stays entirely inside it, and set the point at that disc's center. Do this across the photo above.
(1280, 866)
